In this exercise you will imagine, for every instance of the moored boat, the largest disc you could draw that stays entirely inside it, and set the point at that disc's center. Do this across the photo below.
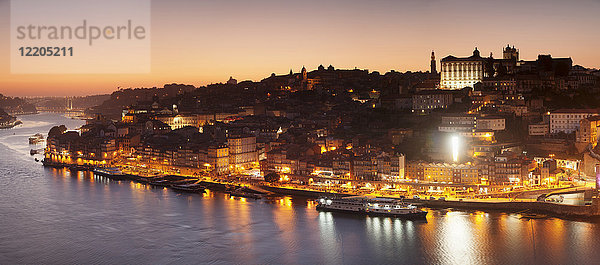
(78, 167)
(245, 194)
(110, 172)
(160, 183)
(36, 138)
(194, 188)
(371, 206)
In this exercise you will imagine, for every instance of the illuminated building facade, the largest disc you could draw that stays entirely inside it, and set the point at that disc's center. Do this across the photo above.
(242, 151)
(444, 172)
(458, 73)
(588, 130)
(218, 159)
(181, 120)
(390, 168)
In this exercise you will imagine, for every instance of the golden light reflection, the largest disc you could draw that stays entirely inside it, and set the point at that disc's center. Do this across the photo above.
(329, 238)
(455, 236)
(285, 201)
(285, 217)
(239, 219)
(479, 217)
(208, 194)
(554, 241)
(138, 186)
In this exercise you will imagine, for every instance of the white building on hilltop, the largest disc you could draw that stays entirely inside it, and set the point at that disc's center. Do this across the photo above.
(458, 73)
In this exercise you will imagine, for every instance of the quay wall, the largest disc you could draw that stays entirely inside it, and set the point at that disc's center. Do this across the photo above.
(305, 193)
(538, 207)
(515, 206)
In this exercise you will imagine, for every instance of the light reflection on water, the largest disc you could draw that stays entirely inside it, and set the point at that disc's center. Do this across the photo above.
(57, 216)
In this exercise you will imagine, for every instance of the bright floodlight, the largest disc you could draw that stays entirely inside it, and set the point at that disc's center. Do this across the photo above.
(455, 147)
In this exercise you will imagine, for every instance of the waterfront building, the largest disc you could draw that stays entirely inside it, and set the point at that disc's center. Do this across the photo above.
(218, 159)
(587, 133)
(439, 172)
(242, 151)
(69, 147)
(364, 168)
(342, 167)
(290, 159)
(509, 168)
(414, 170)
(443, 172)
(390, 167)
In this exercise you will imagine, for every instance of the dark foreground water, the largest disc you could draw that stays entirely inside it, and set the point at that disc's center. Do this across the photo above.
(49, 216)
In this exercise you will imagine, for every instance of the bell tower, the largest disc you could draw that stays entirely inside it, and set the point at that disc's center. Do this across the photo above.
(433, 69)
(304, 73)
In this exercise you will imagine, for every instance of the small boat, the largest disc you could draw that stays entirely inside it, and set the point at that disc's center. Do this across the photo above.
(160, 183)
(533, 216)
(144, 179)
(36, 160)
(110, 172)
(194, 188)
(371, 205)
(77, 168)
(183, 181)
(33, 151)
(36, 138)
(245, 194)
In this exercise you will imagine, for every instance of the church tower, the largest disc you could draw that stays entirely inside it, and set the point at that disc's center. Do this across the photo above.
(510, 53)
(304, 73)
(433, 68)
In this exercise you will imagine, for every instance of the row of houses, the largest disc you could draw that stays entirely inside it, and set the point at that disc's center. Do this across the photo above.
(305, 160)
(237, 153)
(507, 168)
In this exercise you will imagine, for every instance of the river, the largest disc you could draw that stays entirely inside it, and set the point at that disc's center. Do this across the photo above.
(50, 216)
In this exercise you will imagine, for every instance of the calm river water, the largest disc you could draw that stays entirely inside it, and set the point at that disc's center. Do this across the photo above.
(50, 216)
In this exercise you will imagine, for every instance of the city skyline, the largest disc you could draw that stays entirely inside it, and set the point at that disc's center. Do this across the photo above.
(300, 132)
(204, 43)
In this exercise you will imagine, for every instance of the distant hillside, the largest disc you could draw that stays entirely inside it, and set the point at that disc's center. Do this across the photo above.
(16, 105)
(62, 103)
(118, 100)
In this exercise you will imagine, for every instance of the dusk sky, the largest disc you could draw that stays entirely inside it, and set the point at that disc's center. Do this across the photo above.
(203, 42)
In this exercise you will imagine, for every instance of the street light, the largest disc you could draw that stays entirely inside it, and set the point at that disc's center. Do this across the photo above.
(455, 141)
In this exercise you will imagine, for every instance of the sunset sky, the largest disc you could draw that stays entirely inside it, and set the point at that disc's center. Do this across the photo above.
(203, 42)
